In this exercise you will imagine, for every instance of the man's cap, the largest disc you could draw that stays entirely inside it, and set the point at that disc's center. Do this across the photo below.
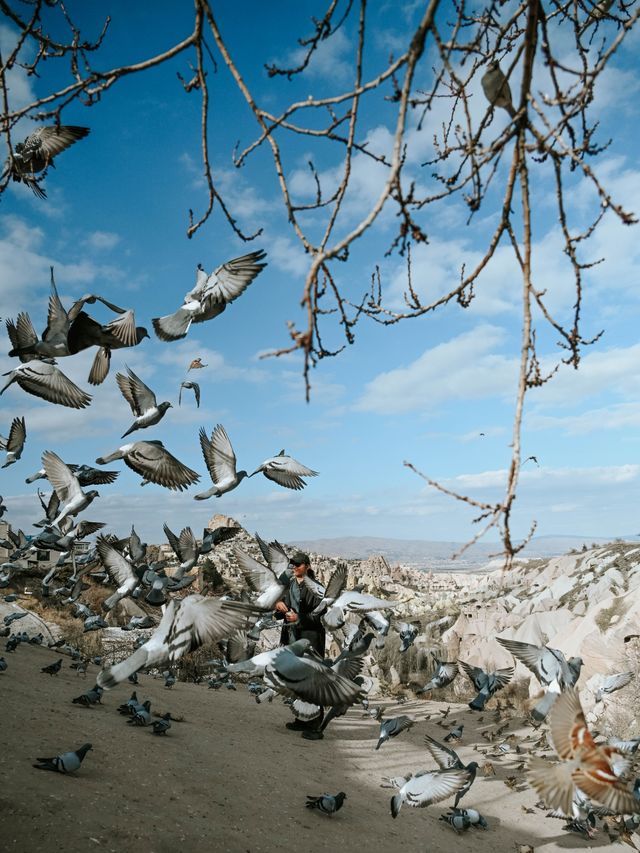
(299, 558)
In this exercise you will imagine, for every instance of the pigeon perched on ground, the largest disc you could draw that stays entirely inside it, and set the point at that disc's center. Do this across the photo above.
(190, 386)
(144, 406)
(549, 666)
(72, 499)
(162, 726)
(210, 296)
(462, 819)
(455, 733)
(584, 764)
(448, 759)
(141, 715)
(220, 460)
(153, 461)
(14, 444)
(94, 623)
(3, 664)
(486, 683)
(48, 382)
(37, 152)
(285, 471)
(52, 669)
(67, 762)
(184, 627)
(496, 88)
(91, 697)
(427, 787)
(328, 804)
(445, 673)
(392, 728)
(169, 680)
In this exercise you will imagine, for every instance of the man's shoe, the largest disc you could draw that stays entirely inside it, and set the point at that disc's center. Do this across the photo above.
(313, 734)
(297, 725)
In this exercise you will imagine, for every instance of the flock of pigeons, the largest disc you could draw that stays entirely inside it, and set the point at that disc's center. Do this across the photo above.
(591, 779)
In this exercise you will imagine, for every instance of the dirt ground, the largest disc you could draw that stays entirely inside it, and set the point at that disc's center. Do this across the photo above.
(231, 777)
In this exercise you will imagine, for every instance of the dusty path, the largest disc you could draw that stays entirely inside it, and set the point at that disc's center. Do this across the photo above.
(230, 777)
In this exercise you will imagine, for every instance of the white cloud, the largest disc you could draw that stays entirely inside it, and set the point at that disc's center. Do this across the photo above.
(103, 240)
(463, 368)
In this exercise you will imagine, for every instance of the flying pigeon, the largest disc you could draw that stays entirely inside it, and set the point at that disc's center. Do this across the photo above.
(185, 548)
(184, 627)
(146, 410)
(549, 666)
(85, 332)
(87, 476)
(408, 632)
(486, 683)
(584, 764)
(428, 787)
(496, 88)
(15, 443)
(220, 460)
(392, 728)
(190, 386)
(448, 759)
(285, 471)
(72, 499)
(67, 762)
(328, 804)
(611, 683)
(120, 570)
(46, 381)
(308, 679)
(153, 461)
(37, 152)
(268, 581)
(210, 296)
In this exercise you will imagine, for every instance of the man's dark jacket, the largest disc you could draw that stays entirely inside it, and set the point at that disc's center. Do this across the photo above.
(307, 627)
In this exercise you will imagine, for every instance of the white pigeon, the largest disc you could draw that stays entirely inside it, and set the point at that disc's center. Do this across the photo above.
(221, 463)
(210, 296)
(72, 499)
(119, 568)
(285, 471)
(14, 444)
(427, 787)
(146, 409)
(265, 580)
(184, 627)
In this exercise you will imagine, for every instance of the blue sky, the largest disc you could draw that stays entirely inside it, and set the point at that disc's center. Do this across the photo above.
(423, 390)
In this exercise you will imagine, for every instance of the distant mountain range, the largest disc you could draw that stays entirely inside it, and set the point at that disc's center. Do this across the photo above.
(430, 554)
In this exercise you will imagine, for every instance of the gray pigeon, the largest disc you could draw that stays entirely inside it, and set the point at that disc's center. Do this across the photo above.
(190, 386)
(210, 296)
(486, 683)
(392, 728)
(427, 787)
(147, 411)
(37, 152)
(611, 683)
(408, 632)
(220, 460)
(120, 570)
(445, 673)
(328, 804)
(67, 762)
(14, 444)
(285, 471)
(13, 617)
(455, 733)
(142, 715)
(52, 669)
(49, 383)
(185, 548)
(3, 664)
(457, 819)
(550, 667)
(496, 88)
(153, 461)
(94, 623)
(161, 726)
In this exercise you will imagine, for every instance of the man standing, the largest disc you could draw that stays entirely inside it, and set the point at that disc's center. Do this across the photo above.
(301, 597)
